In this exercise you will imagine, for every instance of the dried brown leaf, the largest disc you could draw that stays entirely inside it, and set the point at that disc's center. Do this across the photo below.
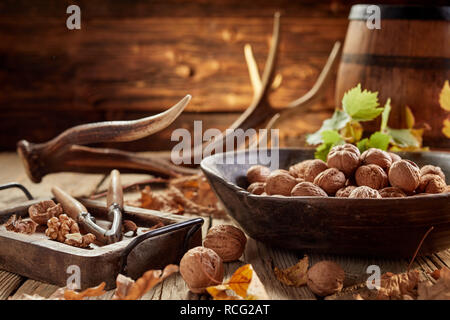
(438, 291)
(90, 292)
(397, 286)
(295, 275)
(19, 225)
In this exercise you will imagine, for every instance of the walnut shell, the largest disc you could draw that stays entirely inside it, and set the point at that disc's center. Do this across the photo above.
(345, 158)
(256, 187)
(378, 157)
(430, 169)
(431, 183)
(345, 192)
(313, 168)
(365, 193)
(392, 192)
(325, 278)
(200, 268)
(227, 241)
(371, 175)
(280, 183)
(308, 189)
(395, 157)
(404, 174)
(330, 180)
(44, 210)
(257, 173)
(298, 169)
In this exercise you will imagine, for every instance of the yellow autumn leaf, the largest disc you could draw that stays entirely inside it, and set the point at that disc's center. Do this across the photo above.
(444, 97)
(446, 128)
(410, 120)
(241, 279)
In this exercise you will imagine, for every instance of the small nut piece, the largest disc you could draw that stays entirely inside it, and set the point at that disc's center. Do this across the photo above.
(325, 278)
(330, 180)
(392, 192)
(78, 240)
(365, 192)
(371, 175)
(256, 187)
(44, 210)
(378, 157)
(404, 174)
(201, 267)
(298, 170)
(227, 241)
(345, 158)
(313, 168)
(431, 183)
(280, 183)
(257, 173)
(430, 169)
(345, 192)
(308, 189)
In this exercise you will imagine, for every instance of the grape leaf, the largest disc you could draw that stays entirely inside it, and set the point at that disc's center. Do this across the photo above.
(403, 137)
(361, 105)
(363, 145)
(379, 140)
(410, 120)
(336, 122)
(330, 138)
(385, 115)
(444, 97)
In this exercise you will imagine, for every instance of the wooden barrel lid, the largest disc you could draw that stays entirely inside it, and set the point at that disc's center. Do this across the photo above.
(402, 12)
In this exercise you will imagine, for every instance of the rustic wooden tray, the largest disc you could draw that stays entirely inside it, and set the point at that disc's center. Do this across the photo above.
(37, 257)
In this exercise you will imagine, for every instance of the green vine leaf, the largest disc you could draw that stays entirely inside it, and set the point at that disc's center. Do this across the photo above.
(361, 105)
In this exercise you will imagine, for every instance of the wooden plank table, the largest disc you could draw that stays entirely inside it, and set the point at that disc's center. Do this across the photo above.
(261, 256)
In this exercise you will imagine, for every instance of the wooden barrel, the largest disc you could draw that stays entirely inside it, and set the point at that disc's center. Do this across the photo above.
(407, 59)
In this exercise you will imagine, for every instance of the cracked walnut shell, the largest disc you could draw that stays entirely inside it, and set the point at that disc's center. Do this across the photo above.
(325, 278)
(280, 182)
(330, 180)
(405, 175)
(257, 173)
(371, 175)
(365, 193)
(345, 158)
(44, 210)
(227, 241)
(308, 189)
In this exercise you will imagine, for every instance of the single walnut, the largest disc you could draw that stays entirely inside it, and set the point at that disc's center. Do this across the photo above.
(404, 174)
(325, 278)
(16, 224)
(256, 187)
(392, 192)
(59, 227)
(280, 183)
(313, 168)
(345, 192)
(330, 180)
(44, 210)
(378, 157)
(308, 189)
(298, 170)
(365, 192)
(257, 173)
(431, 183)
(394, 157)
(345, 158)
(430, 169)
(78, 240)
(227, 241)
(371, 175)
(129, 226)
(200, 268)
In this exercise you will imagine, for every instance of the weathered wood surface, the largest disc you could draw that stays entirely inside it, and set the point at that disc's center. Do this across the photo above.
(259, 255)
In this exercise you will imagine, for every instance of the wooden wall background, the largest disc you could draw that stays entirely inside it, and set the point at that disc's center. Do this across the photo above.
(135, 58)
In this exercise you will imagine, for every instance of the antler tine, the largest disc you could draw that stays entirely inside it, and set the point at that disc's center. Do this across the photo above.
(265, 134)
(253, 71)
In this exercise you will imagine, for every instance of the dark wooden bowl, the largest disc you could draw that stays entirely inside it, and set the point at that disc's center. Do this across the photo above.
(374, 227)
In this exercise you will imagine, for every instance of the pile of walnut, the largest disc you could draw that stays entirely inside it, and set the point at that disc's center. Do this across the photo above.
(348, 174)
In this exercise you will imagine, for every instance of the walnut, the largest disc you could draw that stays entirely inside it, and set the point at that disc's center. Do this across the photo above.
(392, 192)
(330, 180)
(44, 210)
(18, 225)
(200, 268)
(298, 170)
(394, 157)
(431, 183)
(78, 240)
(371, 175)
(430, 169)
(227, 241)
(257, 173)
(345, 192)
(256, 187)
(58, 227)
(313, 168)
(280, 183)
(345, 158)
(404, 174)
(378, 157)
(129, 226)
(364, 192)
(308, 189)
(325, 278)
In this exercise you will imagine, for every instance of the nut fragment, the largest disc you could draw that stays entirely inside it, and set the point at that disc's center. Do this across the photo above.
(345, 158)
(227, 241)
(298, 170)
(59, 227)
(392, 192)
(200, 268)
(430, 169)
(431, 183)
(404, 174)
(257, 173)
(345, 192)
(44, 210)
(280, 183)
(308, 189)
(313, 168)
(256, 187)
(378, 157)
(78, 240)
(371, 175)
(18, 225)
(365, 192)
(325, 278)
(330, 180)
